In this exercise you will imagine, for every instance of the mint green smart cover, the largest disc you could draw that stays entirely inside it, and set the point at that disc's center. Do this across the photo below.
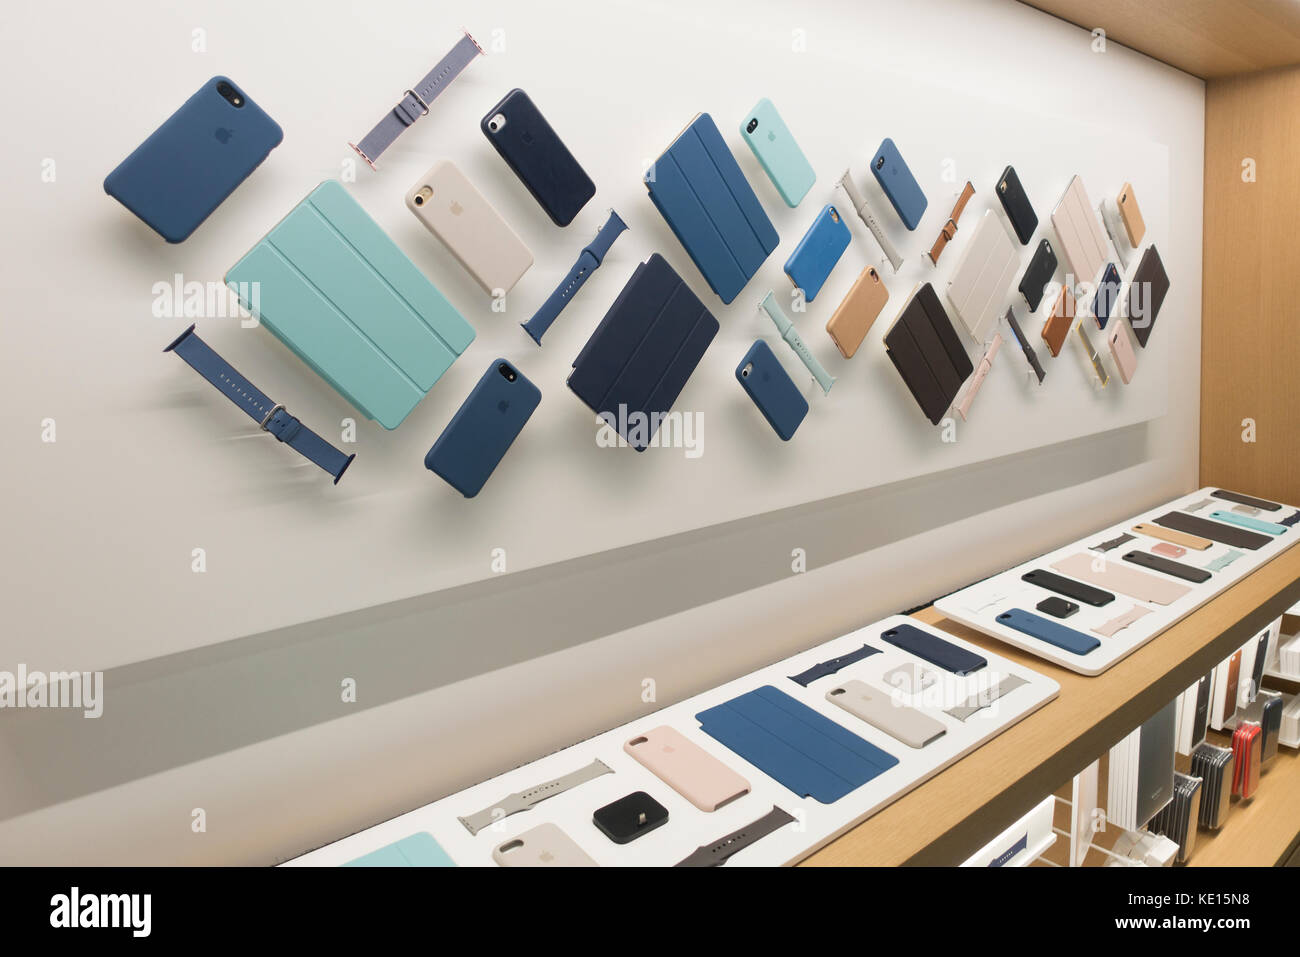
(336, 290)
(418, 850)
(777, 152)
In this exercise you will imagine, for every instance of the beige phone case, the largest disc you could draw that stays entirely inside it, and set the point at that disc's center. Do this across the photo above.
(458, 214)
(687, 768)
(1173, 535)
(910, 726)
(1115, 577)
(854, 315)
(543, 846)
(1130, 214)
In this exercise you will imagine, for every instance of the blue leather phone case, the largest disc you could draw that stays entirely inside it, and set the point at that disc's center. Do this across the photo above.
(189, 165)
(483, 428)
(817, 253)
(698, 187)
(932, 648)
(336, 290)
(418, 850)
(638, 360)
(1044, 629)
(905, 195)
(538, 157)
(766, 382)
(793, 744)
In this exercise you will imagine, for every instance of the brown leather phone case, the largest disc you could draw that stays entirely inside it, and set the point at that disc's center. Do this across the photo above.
(854, 316)
(1057, 326)
(1131, 215)
(1234, 675)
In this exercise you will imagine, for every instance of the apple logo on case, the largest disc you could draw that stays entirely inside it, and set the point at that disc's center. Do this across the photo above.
(503, 406)
(223, 135)
(527, 139)
(771, 136)
(456, 208)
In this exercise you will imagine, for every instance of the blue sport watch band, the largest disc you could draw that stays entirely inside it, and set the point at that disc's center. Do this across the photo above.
(589, 260)
(270, 416)
(824, 668)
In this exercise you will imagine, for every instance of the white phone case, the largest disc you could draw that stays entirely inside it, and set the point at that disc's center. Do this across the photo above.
(910, 726)
(458, 214)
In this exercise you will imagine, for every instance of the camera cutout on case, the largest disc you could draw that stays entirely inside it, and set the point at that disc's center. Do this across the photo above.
(497, 123)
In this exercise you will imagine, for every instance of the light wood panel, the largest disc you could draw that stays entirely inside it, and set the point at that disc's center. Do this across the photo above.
(1207, 38)
(1250, 328)
(952, 815)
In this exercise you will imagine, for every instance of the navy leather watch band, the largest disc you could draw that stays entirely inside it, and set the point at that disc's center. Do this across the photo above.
(824, 668)
(270, 416)
(592, 255)
(416, 101)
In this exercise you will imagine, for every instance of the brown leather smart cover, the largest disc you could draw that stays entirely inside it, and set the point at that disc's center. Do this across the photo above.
(855, 314)
(1057, 326)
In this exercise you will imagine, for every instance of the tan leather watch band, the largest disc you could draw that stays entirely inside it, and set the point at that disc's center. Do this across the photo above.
(950, 227)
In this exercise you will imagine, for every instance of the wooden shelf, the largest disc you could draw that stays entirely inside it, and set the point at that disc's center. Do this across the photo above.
(952, 815)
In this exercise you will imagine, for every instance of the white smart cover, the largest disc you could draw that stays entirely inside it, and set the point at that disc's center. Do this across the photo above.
(979, 284)
(1079, 232)
(458, 214)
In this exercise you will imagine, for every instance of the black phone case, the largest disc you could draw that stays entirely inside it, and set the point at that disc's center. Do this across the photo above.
(1089, 595)
(928, 647)
(539, 157)
(1057, 607)
(1014, 200)
(1157, 563)
(630, 817)
(1147, 291)
(1246, 500)
(1038, 274)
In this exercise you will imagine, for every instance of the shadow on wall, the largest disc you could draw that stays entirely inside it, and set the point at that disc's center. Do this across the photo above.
(174, 710)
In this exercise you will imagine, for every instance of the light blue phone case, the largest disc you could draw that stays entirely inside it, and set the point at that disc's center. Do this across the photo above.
(1245, 521)
(331, 285)
(777, 152)
(817, 253)
(418, 850)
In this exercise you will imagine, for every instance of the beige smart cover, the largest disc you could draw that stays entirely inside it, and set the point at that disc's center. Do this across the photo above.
(878, 709)
(979, 284)
(687, 768)
(1113, 576)
(1080, 232)
(1173, 536)
(458, 214)
(1130, 215)
(854, 316)
(543, 846)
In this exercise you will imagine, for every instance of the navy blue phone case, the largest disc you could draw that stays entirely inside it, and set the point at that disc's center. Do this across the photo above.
(538, 157)
(761, 375)
(483, 428)
(811, 263)
(931, 648)
(189, 165)
(905, 195)
(1107, 295)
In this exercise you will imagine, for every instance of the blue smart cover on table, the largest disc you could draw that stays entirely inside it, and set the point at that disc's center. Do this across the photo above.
(418, 850)
(331, 285)
(189, 165)
(766, 382)
(483, 428)
(701, 192)
(817, 253)
(898, 183)
(793, 744)
(1054, 633)
(638, 360)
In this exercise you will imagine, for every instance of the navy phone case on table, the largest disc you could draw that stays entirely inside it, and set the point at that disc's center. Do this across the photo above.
(189, 165)
(811, 263)
(483, 428)
(538, 157)
(770, 387)
(932, 648)
(894, 177)
(1062, 636)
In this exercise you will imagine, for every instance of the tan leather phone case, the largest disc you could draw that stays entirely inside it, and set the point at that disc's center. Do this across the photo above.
(1057, 326)
(1173, 536)
(1131, 215)
(687, 768)
(1113, 576)
(854, 316)
(543, 846)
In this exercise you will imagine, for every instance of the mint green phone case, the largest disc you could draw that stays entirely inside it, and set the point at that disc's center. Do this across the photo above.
(777, 152)
(333, 287)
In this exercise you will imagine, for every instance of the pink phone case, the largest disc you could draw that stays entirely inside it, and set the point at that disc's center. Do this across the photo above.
(1169, 550)
(1121, 350)
(687, 768)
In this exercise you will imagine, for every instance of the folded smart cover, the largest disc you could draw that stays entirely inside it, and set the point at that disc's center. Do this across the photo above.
(927, 353)
(984, 271)
(940, 653)
(638, 360)
(418, 850)
(770, 387)
(1044, 629)
(1080, 232)
(1214, 531)
(817, 253)
(1146, 294)
(331, 285)
(793, 744)
(699, 188)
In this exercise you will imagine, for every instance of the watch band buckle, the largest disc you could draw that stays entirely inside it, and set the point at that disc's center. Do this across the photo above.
(418, 99)
(264, 425)
(950, 229)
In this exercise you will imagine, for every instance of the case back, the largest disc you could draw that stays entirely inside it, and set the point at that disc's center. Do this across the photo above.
(542, 846)
(914, 728)
(1130, 214)
(517, 130)
(777, 152)
(687, 768)
(900, 186)
(766, 382)
(1058, 323)
(1038, 274)
(817, 253)
(449, 206)
(932, 648)
(853, 317)
(1146, 294)
(189, 165)
(1107, 296)
(483, 428)
(1015, 203)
